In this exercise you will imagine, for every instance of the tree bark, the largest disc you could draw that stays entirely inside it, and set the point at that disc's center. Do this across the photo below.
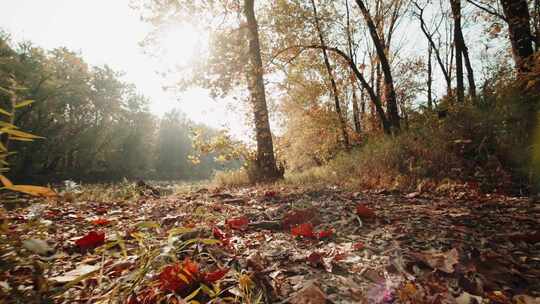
(460, 40)
(390, 92)
(342, 123)
(429, 79)
(266, 169)
(356, 110)
(456, 15)
(518, 18)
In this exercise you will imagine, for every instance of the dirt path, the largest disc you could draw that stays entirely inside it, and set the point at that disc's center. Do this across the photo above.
(238, 246)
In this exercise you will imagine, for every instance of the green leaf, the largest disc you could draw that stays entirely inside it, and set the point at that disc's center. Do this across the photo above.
(24, 103)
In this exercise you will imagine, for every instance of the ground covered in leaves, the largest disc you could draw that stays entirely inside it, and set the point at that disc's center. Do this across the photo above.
(273, 245)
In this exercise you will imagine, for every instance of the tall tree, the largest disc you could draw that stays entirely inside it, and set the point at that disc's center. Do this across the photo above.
(337, 104)
(462, 52)
(389, 90)
(519, 28)
(456, 15)
(266, 163)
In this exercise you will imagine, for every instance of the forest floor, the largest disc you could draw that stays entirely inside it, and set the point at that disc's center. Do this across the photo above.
(275, 245)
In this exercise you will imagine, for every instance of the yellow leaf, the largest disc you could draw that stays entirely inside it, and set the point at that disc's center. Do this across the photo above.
(24, 103)
(5, 181)
(20, 138)
(33, 190)
(7, 125)
(19, 133)
(2, 111)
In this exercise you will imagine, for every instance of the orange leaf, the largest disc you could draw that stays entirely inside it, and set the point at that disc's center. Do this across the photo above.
(5, 181)
(191, 267)
(33, 190)
(305, 230)
(101, 222)
(239, 223)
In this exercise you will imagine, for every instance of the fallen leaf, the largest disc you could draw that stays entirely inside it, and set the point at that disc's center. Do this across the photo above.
(179, 277)
(80, 271)
(525, 299)
(364, 212)
(215, 276)
(239, 223)
(270, 194)
(314, 259)
(359, 246)
(305, 230)
(91, 240)
(101, 222)
(38, 246)
(297, 217)
(325, 233)
(443, 261)
(310, 294)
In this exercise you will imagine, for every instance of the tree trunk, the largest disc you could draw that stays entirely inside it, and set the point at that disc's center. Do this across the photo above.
(389, 90)
(434, 49)
(266, 169)
(356, 110)
(456, 14)
(429, 79)
(460, 40)
(342, 123)
(518, 18)
(356, 114)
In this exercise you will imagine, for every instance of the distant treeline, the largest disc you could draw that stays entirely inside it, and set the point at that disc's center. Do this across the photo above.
(95, 126)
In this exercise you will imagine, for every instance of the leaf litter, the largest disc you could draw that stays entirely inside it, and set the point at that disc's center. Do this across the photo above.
(274, 245)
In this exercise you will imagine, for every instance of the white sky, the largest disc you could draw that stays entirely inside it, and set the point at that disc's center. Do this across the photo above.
(109, 32)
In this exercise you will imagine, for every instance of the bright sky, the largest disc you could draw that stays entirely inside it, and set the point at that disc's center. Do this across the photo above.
(109, 32)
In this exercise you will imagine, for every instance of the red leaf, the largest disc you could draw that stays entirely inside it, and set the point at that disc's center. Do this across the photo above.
(170, 279)
(297, 217)
(101, 222)
(305, 230)
(239, 223)
(179, 277)
(215, 276)
(270, 194)
(218, 233)
(364, 212)
(91, 240)
(191, 267)
(314, 259)
(325, 233)
(358, 246)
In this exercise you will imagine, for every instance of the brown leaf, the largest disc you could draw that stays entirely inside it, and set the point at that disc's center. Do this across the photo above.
(310, 294)
(443, 261)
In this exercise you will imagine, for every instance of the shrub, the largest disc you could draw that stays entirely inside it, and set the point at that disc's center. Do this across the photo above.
(231, 178)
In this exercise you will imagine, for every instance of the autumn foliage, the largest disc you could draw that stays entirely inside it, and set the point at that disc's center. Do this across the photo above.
(92, 240)
(185, 276)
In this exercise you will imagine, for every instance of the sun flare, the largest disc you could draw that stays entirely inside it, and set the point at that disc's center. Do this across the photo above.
(179, 44)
